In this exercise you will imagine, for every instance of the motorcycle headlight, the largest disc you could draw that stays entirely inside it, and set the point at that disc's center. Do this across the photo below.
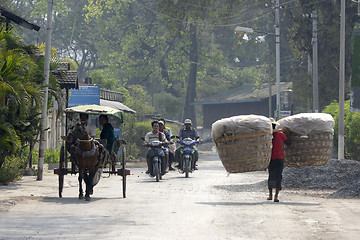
(155, 143)
(187, 141)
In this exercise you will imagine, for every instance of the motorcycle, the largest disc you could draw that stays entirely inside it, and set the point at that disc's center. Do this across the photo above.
(156, 155)
(187, 161)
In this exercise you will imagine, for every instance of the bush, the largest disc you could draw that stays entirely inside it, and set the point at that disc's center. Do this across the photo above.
(351, 129)
(167, 105)
(50, 156)
(11, 170)
(132, 133)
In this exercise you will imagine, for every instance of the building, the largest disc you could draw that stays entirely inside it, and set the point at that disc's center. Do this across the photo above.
(244, 100)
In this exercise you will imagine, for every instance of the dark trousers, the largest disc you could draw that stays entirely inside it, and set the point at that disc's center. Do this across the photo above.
(276, 167)
(171, 158)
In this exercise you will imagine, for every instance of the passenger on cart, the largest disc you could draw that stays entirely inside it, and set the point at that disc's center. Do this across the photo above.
(107, 132)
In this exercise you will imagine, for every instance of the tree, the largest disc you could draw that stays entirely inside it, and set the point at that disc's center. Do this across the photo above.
(300, 33)
(74, 38)
(20, 94)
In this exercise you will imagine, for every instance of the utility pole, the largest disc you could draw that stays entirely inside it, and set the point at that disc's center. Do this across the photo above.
(270, 98)
(341, 154)
(315, 63)
(46, 83)
(277, 42)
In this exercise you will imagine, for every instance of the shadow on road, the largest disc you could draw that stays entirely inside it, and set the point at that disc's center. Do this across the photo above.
(257, 203)
(74, 200)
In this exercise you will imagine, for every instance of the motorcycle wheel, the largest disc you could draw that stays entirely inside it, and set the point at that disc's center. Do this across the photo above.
(156, 171)
(160, 169)
(186, 168)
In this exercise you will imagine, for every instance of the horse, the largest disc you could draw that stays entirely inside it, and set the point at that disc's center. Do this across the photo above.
(86, 151)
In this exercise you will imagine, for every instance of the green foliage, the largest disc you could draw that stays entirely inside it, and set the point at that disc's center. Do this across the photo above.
(140, 100)
(351, 130)
(133, 131)
(9, 141)
(20, 94)
(175, 128)
(167, 105)
(298, 25)
(50, 156)
(11, 170)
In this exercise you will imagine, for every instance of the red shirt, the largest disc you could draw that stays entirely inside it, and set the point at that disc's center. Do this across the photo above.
(277, 142)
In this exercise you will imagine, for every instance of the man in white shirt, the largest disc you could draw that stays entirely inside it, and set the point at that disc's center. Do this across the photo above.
(89, 127)
(151, 136)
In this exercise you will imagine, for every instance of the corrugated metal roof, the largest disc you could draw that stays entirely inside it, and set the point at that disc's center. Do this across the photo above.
(245, 93)
(67, 79)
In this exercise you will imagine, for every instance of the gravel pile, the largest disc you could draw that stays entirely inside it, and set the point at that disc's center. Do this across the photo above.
(342, 176)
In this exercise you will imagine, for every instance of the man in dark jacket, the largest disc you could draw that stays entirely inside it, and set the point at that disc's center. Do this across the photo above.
(187, 132)
(107, 132)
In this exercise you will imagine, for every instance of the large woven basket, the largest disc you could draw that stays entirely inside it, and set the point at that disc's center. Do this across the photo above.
(245, 152)
(315, 150)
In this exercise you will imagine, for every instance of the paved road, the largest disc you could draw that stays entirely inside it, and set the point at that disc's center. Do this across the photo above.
(204, 206)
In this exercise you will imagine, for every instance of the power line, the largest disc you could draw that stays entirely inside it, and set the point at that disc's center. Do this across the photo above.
(204, 24)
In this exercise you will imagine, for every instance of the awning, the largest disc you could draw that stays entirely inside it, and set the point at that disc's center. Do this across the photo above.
(116, 105)
(96, 110)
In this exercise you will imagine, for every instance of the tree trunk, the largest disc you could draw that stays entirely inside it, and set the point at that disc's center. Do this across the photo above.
(189, 110)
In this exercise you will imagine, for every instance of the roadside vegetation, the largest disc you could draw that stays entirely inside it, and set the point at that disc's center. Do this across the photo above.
(351, 130)
(21, 78)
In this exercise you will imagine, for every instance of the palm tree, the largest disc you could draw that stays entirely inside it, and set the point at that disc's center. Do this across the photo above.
(20, 94)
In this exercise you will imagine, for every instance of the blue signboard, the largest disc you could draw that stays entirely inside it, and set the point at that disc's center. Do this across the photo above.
(85, 95)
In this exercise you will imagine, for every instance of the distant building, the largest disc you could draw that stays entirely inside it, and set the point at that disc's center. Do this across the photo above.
(244, 100)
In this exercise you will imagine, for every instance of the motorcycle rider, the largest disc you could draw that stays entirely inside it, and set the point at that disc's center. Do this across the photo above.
(188, 132)
(167, 133)
(165, 128)
(153, 136)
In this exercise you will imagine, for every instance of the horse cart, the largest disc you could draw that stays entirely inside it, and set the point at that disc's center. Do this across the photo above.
(105, 162)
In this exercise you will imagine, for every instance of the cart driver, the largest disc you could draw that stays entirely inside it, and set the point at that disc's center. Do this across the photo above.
(84, 118)
(107, 132)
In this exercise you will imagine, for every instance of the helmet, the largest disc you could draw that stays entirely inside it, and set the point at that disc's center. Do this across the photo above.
(187, 121)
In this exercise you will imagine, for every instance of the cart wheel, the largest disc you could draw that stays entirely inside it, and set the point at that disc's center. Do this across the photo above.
(123, 163)
(61, 169)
